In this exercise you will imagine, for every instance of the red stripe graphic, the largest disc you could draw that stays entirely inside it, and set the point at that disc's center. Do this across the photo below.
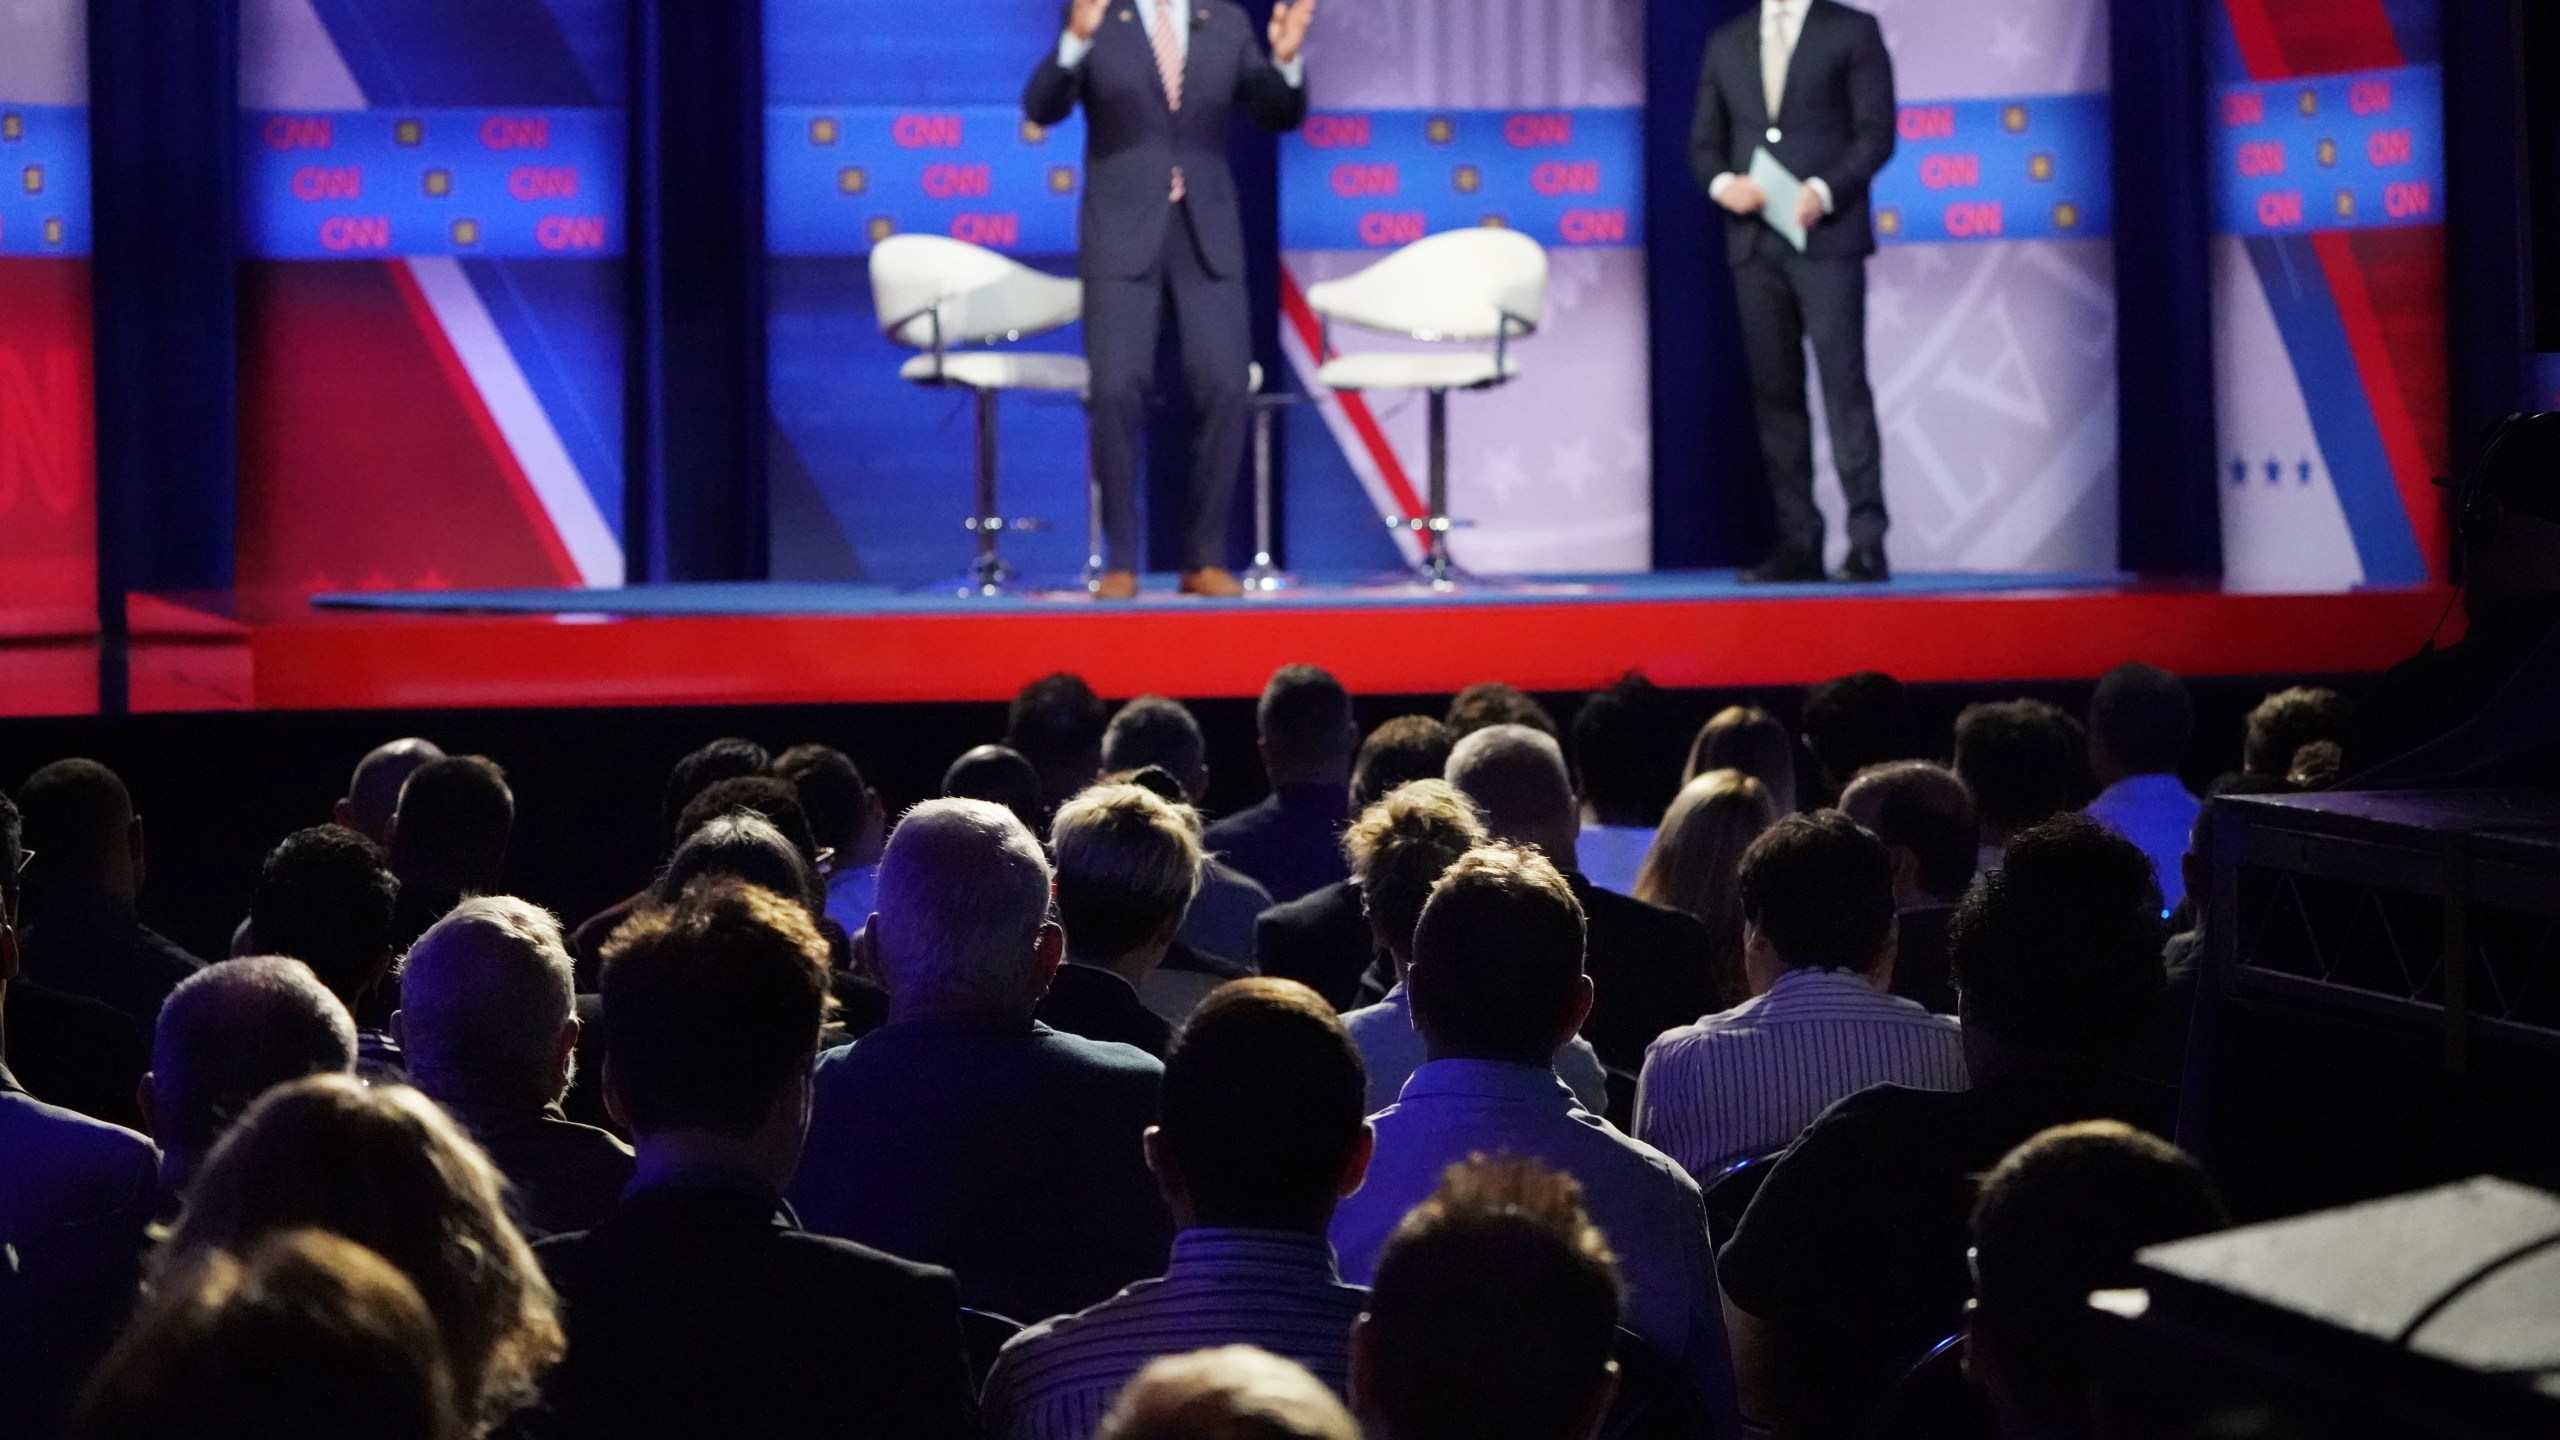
(2384, 392)
(1355, 406)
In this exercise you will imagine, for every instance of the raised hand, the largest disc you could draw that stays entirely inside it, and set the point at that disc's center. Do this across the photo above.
(1289, 28)
(1086, 17)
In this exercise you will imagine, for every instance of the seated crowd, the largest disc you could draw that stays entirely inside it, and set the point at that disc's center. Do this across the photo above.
(1490, 1080)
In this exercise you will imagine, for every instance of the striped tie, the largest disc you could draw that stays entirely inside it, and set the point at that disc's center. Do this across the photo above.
(1169, 66)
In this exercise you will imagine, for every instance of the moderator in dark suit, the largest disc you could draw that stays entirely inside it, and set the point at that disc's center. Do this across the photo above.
(1834, 124)
(700, 1309)
(1142, 252)
(1321, 940)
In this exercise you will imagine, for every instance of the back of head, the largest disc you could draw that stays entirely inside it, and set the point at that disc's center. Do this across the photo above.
(310, 1336)
(230, 1033)
(1401, 846)
(1515, 776)
(1490, 702)
(325, 897)
(1056, 723)
(830, 791)
(1233, 1393)
(745, 845)
(2057, 953)
(1819, 890)
(1493, 1313)
(2061, 1216)
(1696, 857)
(1404, 749)
(712, 1006)
(2022, 760)
(1304, 721)
(373, 791)
(1854, 722)
(454, 818)
(382, 1166)
(78, 816)
(1497, 958)
(1749, 739)
(1622, 751)
(963, 892)
(1152, 730)
(724, 759)
(1923, 808)
(2288, 720)
(772, 800)
(2141, 720)
(1128, 863)
(1263, 1101)
(484, 995)
(999, 775)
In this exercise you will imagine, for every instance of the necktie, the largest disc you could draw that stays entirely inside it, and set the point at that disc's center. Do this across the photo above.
(1169, 66)
(1776, 49)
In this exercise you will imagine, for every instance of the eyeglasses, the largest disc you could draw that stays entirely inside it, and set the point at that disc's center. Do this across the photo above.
(26, 857)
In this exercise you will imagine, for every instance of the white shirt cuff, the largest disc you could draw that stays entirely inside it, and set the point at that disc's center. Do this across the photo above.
(1071, 51)
(1821, 191)
(1715, 187)
(1293, 71)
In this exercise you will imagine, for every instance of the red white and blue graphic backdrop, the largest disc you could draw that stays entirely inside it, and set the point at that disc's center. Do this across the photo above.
(431, 314)
(48, 454)
(2328, 265)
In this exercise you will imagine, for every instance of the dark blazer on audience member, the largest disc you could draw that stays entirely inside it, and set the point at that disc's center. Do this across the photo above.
(1649, 972)
(567, 1176)
(1921, 972)
(1291, 842)
(701, 1310)
(1321, 940)
(1002, 1150)
(109, 957)
(75, 1052)
(1097, 1004)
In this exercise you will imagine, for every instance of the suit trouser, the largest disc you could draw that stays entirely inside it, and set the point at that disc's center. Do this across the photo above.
(1786, 298)
(1121, 321)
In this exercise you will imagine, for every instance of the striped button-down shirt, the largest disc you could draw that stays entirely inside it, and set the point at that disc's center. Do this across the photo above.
(1749, 1080)
(1272, 1288)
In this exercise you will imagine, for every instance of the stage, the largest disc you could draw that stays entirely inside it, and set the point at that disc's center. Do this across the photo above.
(748, 644)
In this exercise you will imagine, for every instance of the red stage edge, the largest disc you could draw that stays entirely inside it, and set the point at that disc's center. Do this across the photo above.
(186, 658)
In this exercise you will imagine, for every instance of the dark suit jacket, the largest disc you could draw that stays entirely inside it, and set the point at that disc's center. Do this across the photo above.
(1291, 841)
(1920, 969)
(75, 1052)
(1650, 971)
(1134, 139)
(698, 1311)
(1321, 940)
(567, 1176)
(1835, 120)
(1099, 1005)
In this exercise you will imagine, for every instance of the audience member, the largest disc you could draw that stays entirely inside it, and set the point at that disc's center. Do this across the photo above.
(1056, 723)
(489, 1026)
(383, 1167)
(1262, 1136)
(1128, 864)
(62, 1166)
(1854, 723)
(1818, 948)
(309, 1336)
(373, 791)
(80, 922)
(1749, 739)
(774, 801)
(1850, 1263)
(448, 839)
(1498, 984)
(1490, 702)
(698, 1307)
(1494, 1313)
(1291, 841)
(1649, 963)
(69, 1050)
(1695, 863)
(2139, 726)
(2062, 1216)
(752, 828)
(1235, 1392)
(1399, 849)
(964, 1133)
(326, 897)
(999, 775)
(2024, 762)
(1622, 743)
(1184, 978)
(849, 822)
(1926, 819)
(723, 759)
(2288, 720)
(1322, 939)
(1152, 730)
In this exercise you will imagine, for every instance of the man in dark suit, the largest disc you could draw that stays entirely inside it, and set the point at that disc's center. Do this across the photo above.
(1322, 939)
(698, 1307)
(1808, 80)
(1158, 80)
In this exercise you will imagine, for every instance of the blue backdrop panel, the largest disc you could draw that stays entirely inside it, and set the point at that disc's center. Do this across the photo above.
(840, 178)
(1382, 178)
(2031, 168)
(44, 179)
(2331, 152)
(431, 181)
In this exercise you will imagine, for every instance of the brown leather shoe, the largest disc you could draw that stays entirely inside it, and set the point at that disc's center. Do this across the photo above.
(1117, 585)
(1212, 582)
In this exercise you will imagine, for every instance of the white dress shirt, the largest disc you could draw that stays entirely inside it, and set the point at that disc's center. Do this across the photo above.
(1749, 1080)
(1392, 1050)
(1787, 17)
(1071, 51)
(2156, 813)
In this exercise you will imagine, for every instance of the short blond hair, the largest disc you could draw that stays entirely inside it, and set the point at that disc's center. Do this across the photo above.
(1128, 864)
(1235, 1392)
(1401, 846)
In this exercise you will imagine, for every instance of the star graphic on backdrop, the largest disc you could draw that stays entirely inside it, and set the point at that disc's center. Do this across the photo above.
(1884, 302)
(1575, 467)
(2275, 470)
(2302, 469)
(2239, 471)
(1498, 470)
(2010, 45)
